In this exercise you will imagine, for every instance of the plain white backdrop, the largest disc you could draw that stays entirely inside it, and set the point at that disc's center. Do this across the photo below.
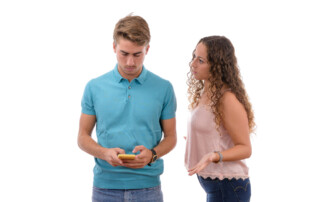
(49, 50)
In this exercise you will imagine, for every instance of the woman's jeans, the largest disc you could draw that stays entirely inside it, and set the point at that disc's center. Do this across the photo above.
(226, 190)
(153, 194)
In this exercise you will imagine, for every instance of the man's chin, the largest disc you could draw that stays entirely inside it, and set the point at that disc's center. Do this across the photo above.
(129, 69)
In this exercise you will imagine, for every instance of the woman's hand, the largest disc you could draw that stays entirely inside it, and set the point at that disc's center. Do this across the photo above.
(204, 162)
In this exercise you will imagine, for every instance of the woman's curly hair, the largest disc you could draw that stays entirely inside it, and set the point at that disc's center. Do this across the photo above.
(224, 70)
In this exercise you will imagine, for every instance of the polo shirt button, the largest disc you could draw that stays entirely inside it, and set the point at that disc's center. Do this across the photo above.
(129, 96)
(129, 87)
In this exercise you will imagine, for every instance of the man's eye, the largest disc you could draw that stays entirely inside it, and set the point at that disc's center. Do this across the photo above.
(124, 54)
(136, 55)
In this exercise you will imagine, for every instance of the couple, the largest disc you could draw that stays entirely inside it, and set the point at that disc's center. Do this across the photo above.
(131, 107)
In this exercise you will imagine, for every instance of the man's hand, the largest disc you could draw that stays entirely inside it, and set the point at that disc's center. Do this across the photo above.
(111, 156)
(141, 159)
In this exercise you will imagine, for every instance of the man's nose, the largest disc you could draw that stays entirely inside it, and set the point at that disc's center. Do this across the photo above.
(130, 61)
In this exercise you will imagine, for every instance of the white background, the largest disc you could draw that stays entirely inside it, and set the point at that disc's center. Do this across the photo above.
(49, 50)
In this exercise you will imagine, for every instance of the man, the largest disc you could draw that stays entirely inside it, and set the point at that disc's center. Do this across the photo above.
(130, 107)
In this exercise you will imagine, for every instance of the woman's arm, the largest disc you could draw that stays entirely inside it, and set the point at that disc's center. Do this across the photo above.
(235, 121)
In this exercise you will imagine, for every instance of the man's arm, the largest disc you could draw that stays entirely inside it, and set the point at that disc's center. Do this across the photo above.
(165, 146)
(170, 137)
(87, 144)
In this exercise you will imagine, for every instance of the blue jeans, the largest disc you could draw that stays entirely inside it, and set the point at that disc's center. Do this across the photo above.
(153, 194)
(226, 190)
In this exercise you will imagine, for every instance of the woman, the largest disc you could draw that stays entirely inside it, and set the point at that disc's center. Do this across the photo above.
(221, 122)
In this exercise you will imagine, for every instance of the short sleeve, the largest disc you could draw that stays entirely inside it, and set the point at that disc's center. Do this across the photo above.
(87, 101)
(170, 104)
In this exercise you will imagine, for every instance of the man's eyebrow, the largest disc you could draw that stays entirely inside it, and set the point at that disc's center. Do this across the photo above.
(124, 52)
(137, 53)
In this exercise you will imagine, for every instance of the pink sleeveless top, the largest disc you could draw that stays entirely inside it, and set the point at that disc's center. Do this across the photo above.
(203, 138)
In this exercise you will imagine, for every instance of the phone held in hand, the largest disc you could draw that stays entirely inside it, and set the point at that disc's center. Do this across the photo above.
(126, 156)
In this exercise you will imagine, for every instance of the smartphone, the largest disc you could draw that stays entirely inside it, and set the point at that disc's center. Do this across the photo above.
(126, 156)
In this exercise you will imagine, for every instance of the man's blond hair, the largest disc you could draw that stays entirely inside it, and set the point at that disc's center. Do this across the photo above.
(132, 28)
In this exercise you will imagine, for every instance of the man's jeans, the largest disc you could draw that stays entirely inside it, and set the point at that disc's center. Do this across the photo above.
(153, 194)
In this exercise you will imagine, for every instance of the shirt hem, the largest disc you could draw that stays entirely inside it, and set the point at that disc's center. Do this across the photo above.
(224, 176)
(88, 112)
(127, 184)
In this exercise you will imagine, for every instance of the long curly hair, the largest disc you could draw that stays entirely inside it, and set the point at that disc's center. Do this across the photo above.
(224, 71)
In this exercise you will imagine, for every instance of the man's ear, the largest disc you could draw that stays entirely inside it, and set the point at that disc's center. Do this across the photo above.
(114, 46)
(147, 49)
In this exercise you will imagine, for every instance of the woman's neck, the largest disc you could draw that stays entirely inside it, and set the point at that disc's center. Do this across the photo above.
(207, 87)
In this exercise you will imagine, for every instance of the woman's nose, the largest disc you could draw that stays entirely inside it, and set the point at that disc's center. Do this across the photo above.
(193, 64)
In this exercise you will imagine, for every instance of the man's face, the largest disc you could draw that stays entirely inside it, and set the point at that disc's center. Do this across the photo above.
(130, 58)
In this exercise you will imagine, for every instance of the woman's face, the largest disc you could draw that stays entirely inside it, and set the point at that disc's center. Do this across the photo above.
(200, 66)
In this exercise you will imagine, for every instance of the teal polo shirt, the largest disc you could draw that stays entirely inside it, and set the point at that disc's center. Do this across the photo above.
(128, 114)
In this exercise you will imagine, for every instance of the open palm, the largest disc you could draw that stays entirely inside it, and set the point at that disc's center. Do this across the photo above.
(204, 162)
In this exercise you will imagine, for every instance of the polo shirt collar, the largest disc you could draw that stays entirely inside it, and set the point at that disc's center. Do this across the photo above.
(143, 75)
(141, 78)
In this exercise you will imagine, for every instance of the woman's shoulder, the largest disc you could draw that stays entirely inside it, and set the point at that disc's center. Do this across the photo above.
(227, 95)
(229, 100)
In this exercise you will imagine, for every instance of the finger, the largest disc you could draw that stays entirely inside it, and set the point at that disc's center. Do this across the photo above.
(120, 151)
(192, 172)
(135, 161)
(196, 169)
(131, 165)
(142, 155)
(116, 160)
(138, 148)
(114, 164)
(128, 161)
(200, 168)
(193, 168)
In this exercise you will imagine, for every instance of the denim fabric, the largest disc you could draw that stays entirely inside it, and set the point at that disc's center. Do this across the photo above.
(226, 190)
(153, 194)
